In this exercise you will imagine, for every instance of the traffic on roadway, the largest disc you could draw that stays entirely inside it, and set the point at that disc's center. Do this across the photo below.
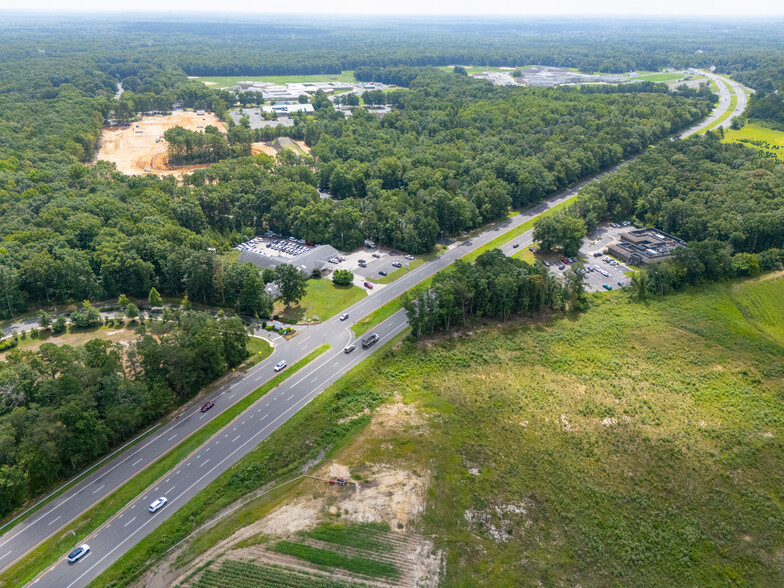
(136, 520)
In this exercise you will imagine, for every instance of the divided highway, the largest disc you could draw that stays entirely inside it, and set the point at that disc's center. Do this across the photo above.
(127, 527)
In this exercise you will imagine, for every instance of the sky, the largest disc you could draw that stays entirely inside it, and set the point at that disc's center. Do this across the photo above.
(706, 8)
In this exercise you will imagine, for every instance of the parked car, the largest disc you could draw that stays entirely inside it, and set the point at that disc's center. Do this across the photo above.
(564, 260)
(621, 284)
(607, 286)
(530, 249)
(397, 264)
(382, 273)
(409, 257)
(560, 267)
(344, 316)
(516, 245)
(362, 263)
(597, 254)
(158, 504)
(280, 365)
(349, 348)
(207, 406)
(79, 553)
(376, 255)
(546, 263)
(368, 285)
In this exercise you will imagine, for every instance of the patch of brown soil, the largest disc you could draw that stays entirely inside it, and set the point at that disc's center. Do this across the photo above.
(262, 147)
(133, 148)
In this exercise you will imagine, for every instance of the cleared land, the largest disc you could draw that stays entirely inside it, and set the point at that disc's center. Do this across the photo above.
(226, 81)
(133, 148)
(324, 300)
(759, 137)
(658, 77)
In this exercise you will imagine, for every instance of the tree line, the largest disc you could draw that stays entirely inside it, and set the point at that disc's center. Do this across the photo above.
(63, 407)
(495, 286)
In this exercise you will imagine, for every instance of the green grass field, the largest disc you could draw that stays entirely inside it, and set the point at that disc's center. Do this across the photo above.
(658, 77)
(226, 81)
(630, 445)
(324, 300)
(759, 137)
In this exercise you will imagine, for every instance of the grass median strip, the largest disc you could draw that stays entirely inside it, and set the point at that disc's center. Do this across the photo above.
(309, 436)
(52, 549)
(393, 306)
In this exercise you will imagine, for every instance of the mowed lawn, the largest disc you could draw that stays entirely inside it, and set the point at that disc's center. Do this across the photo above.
(324, 300)
(629, 445)
(226, 81)
(759, 137)
(658, 77)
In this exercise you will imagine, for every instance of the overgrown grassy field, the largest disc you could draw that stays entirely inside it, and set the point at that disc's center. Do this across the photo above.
(324, 300)
(759, 137)
(634, 445)
(226, 81)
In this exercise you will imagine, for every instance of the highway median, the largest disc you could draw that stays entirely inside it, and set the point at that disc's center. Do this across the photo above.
(63, 539)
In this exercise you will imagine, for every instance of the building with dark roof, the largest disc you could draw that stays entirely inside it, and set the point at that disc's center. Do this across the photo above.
(643, 246)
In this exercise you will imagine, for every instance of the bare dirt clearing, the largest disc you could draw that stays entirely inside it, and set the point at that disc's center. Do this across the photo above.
(133, 148)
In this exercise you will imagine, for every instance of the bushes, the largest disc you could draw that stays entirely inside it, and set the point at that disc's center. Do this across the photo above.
(342, 277)
(8, 344)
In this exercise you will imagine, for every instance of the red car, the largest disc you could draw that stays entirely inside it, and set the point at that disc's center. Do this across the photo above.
(368, 285)
(207, 406)
(564, 260)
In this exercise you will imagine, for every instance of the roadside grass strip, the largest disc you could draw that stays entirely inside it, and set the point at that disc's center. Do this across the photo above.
(309, 436)
(63, 539)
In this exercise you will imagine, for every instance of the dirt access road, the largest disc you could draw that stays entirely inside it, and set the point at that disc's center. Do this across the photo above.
(133, 149)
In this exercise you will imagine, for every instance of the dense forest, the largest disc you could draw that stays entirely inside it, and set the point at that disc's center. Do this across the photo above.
(453, 154)
(64, 407)
(724, 199)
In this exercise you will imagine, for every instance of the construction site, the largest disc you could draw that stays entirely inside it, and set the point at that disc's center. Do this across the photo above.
(139, 148)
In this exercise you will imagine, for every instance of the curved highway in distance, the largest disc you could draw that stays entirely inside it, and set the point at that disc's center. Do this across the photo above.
(131, 524)
(725, 98)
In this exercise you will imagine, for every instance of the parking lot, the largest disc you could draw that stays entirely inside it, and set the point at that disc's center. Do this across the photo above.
(374, 264)
(599, 270)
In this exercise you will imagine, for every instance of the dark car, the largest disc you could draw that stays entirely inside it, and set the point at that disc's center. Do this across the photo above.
(620, 284)
(382, 273)
(560, 267)
(207, 406)
(516, 245)
(607, 286)
(376, 255)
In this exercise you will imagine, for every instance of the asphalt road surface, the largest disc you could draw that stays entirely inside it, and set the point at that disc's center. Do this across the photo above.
(725, 97)
(115, 537)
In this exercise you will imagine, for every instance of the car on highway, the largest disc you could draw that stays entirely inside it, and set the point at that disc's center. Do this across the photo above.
(207, 406)
(376, 255)
(607, 286)
(79, 553)
(516, 245)
(344, 316)
(368, 285)
(409, 257)
(158, 504)
(397, 264)
(382, 273)
(349, 348)
(280, 365)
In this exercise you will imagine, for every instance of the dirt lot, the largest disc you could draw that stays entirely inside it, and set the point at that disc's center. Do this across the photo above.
(133, 151)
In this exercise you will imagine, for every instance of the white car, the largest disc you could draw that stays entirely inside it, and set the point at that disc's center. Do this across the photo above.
(344, 316)
(280, 365)
(409, 257)
(158, 504)
(79, 553)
